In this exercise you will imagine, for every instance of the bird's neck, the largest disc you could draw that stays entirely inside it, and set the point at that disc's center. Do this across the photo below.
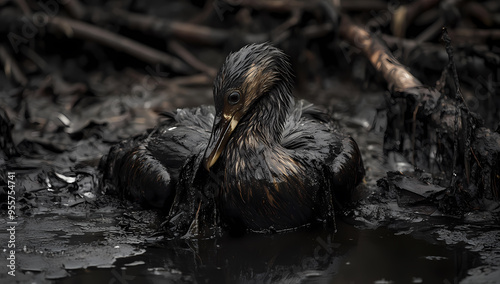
(265, 121)
(255, 153)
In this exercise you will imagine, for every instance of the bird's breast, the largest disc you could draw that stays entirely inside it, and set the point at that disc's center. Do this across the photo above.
(271, 190)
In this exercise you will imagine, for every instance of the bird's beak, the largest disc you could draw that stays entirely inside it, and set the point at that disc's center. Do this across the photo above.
(221, 133)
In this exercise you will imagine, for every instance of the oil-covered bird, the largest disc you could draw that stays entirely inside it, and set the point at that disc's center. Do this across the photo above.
(261, 161)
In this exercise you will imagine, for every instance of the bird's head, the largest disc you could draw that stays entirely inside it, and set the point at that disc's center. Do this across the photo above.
(247, 76)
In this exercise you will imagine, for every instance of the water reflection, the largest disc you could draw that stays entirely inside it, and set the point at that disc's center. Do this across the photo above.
(348, 256)
(291, 257)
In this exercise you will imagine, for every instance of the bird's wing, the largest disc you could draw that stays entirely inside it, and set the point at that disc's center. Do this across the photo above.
(308, 128)
(315, 142)
(146, 167)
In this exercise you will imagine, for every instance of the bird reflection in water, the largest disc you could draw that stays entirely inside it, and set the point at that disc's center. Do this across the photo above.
(260, 161)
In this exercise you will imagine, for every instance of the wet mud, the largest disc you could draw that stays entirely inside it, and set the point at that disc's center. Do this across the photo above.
(68, 231)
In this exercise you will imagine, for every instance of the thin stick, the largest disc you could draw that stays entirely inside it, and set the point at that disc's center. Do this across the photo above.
(75, 9)
(183, 53)
(24, 7)
(164, 28)
(78, 29)
(11, 68)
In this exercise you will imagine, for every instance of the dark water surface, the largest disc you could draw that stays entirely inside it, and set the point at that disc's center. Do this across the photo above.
(349, 256)
(92, 250)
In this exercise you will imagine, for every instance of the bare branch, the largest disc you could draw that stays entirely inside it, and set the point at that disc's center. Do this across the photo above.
(73, 28)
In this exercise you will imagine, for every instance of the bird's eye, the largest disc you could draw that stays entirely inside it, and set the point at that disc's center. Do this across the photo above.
(233, 98)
